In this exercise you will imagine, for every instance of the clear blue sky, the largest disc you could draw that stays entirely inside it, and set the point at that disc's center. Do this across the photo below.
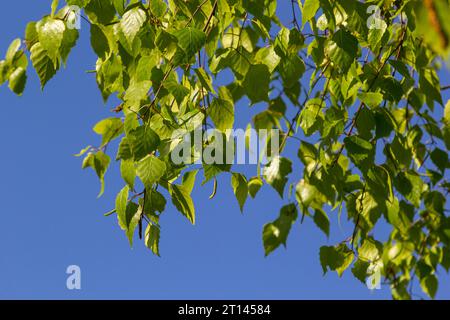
(51, 217)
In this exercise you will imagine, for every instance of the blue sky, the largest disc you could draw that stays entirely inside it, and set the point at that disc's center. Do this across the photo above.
(51, 217)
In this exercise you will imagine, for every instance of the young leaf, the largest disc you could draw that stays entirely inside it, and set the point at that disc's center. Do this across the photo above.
(121, 207)
(98, 161)
(17, 81)
(190, 40)
(360, 152)
(143, 141)
(128, 172)
(152, 235)
(221, 112)
(309, 9)
(276, 173)
(336, 258)
(12, 50)
(343, 49)
(182, 200)
(256, 83)
(109, 129)
(254, 184)
(43, 64)
(240, 188)
(371, 99)
(131, 22)
(429, 285)
(276, 233)
(158, 7)
(51, 32)
(150, 170)
(322, 221)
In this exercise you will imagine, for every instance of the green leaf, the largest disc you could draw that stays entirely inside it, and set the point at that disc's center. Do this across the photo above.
(100, 11)
(132, 22)
(343, 49)
(440, 159)
(311, 117)
(376, 35)
(133, 216)
(360, 151)
(99, 41)
(212, 170)
(98, 161)
(256, 83)
(79, 3)
(54, 7)
(150, 170)
(368, 251)
(410, 185)
(221, 112)
(43, 64)
(128, 213)
(276, 173)
(446, 125)
(254, 184)
(266, 120)
(446, 259)
(190, 40)
(371, 99)
(69, 41)
(429, 285)
(4, 69)
(124, 152)
(12, 50)
(182, 200)
(110, 75)
(336, 258)
(392, 89)
(268, 56)
(177, 90)
(17, 81)
(158, 7)
(154, 202)
(307, 153)
(152, 235)
(167, 44)
(276, 233)
(291, 68)
(429, 84)
(119, 5)
(359, 270)
(205, 80)
(121, 207)
(308, 195)
(128, 172)
(384, 123)
(309, 9)
(240, 188)
(143, 141)
(109, 129)
(189, 180)
(51, 33)
(31, 35)
(322, 221)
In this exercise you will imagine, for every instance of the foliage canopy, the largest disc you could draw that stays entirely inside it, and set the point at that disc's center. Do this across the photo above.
(362, 84)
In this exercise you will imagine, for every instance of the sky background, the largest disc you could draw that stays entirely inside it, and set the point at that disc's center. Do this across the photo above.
(51, 218)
